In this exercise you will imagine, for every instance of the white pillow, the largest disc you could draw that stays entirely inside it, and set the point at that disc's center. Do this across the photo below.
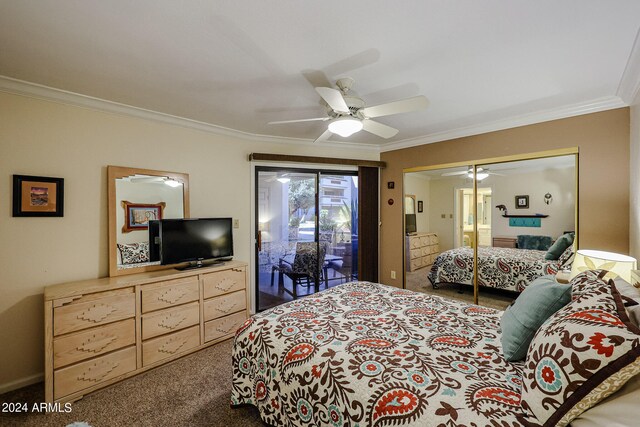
(628, 290)
(621, 409)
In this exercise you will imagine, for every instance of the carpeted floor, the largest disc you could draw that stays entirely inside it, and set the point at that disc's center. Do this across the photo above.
(192, 391)
(494, 298)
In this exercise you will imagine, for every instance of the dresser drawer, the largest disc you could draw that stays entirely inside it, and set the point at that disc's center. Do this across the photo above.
(169, 294)
(224, 305)
(416, 253)
(168, 345)
(414, 242)
(170, 320)
(99, 311)
(223, 326)
(86, 374)
(93, 342)
(225, 281)
(424, 240)
(416, 263)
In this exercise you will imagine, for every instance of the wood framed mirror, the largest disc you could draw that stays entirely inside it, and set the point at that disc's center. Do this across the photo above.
(137, 196)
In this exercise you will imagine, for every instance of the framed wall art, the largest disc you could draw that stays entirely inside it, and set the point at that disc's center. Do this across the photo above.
(38, 196)
(137, 215)
(522, 202)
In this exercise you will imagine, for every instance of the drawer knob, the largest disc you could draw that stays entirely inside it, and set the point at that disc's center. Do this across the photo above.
(96, 343)
(226, 309)
(172, 321)
(96, 313)
(172, 346)
(225, 284)
(172, 295)
(228, 328)
(97, 371)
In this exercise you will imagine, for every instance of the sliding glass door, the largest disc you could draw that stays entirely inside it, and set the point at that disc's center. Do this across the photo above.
(306, 228)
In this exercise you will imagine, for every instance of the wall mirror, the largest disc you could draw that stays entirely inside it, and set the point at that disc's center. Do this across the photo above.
(137, 196)
(503, 212)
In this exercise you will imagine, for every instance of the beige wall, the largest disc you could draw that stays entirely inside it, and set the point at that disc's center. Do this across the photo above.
(634, 182)
(603, 140)
(51, 139)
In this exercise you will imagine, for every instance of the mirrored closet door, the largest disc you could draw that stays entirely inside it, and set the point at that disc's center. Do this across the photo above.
(492, 223)
(439, 222)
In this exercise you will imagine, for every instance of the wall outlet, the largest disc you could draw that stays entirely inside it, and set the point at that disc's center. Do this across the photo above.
(236, 223)
(443, 216)
(393, 274)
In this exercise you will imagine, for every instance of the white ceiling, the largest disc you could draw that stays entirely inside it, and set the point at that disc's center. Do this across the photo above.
(241, 64)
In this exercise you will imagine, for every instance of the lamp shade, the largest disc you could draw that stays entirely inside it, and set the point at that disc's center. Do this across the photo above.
(616, 264)
(345, 126)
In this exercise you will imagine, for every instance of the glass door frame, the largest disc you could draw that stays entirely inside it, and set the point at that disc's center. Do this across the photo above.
(318, 172)
(475, 164)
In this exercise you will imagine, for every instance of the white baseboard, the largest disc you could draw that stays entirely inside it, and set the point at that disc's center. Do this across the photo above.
(22, 382)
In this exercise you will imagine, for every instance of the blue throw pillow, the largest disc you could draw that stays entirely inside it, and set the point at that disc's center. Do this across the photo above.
(520, 321)
(559, 246)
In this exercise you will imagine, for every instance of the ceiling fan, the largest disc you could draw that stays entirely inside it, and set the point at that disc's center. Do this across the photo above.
(481, 174)
(347, 113)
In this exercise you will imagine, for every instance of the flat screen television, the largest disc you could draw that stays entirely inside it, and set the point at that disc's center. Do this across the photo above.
(199, 241)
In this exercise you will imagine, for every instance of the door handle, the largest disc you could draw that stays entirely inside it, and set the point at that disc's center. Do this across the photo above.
(259, 240)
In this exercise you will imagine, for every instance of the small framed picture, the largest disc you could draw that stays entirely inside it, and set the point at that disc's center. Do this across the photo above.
(522, 202)
(391, 185)
(138, 215)
(420, 206)
(38, 196)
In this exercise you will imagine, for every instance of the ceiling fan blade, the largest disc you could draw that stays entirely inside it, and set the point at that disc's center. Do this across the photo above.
(379, 129)
(396, 107)
(496, 174)
(300, 120)
(455, 173)
(334, 98)
(326, 135)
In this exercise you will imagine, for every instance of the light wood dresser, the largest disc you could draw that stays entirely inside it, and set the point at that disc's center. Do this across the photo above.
(100, 331)
(421, 249)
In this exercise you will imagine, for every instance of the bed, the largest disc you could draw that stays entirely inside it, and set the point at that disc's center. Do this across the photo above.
(372, 355)
(503, 268)
(366, 354)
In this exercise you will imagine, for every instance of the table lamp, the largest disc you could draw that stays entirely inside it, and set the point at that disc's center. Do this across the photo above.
(616, 264)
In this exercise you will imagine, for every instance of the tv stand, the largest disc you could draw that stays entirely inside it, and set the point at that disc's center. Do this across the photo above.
(100, 331)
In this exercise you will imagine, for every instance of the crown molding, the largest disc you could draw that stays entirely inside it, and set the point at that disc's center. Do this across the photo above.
(593, 106)
(34, 90)
(629, 87)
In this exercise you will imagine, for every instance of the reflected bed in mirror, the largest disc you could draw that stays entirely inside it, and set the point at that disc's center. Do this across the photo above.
(136, 197)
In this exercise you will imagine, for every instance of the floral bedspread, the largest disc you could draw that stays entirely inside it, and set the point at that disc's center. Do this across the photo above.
(504, 268)
(365, 354)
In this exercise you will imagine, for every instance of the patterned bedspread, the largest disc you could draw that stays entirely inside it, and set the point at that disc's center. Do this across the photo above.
(365, 354)
(504, 268)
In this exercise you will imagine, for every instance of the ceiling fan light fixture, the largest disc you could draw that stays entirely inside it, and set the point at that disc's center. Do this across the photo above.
(172, 183)
(345, 126)
(479, 176)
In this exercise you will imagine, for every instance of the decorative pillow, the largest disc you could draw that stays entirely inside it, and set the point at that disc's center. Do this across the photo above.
(540, 243)
(520, 321)
(559, 246)
(134, 253)
(580, 355)
(566, 259)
